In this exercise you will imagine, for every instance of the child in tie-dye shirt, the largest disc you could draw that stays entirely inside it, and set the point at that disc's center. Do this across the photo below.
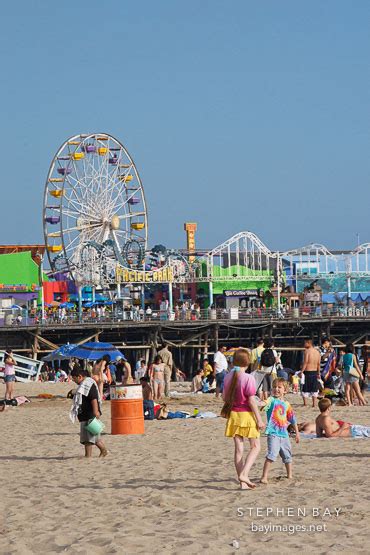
(279, 415)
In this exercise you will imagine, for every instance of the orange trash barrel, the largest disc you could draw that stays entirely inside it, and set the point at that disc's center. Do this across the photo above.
(127, 411)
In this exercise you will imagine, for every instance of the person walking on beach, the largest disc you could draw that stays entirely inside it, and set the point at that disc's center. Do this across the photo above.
(256, 355)
(86, 406)
(311, 372)
(219, 369)
(98, 373)
(268, 360)
(9, 374)
(352, 376)
(167, 360)
(279, 416)
(243, 418)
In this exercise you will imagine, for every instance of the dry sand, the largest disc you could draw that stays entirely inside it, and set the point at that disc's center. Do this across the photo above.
(172, 490)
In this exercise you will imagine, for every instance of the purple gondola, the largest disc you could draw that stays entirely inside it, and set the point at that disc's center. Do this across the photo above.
(113, 160)
(64, 171)
(88, 148)
(52, 220)
(133, 200)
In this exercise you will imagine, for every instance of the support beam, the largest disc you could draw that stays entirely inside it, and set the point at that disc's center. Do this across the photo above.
(44, 341)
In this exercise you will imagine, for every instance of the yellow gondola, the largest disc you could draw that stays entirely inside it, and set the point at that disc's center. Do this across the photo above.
(78, 155)
(56, 180)
(57, 193)
(55, 248)
(126, 177)
(102, 150)
(138, 225)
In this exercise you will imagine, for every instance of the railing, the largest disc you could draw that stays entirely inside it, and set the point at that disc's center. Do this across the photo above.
(188, 315)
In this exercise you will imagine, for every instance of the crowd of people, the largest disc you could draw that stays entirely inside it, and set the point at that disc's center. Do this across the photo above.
(250, 381)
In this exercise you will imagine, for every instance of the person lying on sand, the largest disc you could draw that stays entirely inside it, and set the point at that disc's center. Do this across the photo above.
(309, 427)
(326, 426)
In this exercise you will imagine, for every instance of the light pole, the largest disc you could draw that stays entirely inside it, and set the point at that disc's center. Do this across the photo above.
(278, 284)
(41, 272)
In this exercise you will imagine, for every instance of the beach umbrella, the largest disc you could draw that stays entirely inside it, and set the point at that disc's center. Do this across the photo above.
(95, 350)
(62, 353)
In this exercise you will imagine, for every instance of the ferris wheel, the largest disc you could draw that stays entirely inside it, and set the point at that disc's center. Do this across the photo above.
(94, 212)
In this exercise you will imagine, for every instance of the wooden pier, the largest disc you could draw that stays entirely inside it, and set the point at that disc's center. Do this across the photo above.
(189, 340)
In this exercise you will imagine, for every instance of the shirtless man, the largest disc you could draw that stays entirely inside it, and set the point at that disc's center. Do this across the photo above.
(311, 372)
(127, 374)
(326, 426)
(147, 390)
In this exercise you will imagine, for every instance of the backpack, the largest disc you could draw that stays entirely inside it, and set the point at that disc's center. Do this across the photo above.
(267, 358)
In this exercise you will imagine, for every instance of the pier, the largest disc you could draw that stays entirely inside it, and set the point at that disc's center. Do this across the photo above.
(189, 340)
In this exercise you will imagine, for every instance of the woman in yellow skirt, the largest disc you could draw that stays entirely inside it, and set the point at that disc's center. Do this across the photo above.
(243, 417)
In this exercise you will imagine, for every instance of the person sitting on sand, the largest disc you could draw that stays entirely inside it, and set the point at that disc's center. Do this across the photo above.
(148, 403)
(326, 426)
(180, 376)
(147, 390)
(207, 368)
(243, 418)
(197, 383)
(279, 415)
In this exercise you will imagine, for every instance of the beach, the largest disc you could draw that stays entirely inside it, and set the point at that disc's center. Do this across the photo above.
(173, 489)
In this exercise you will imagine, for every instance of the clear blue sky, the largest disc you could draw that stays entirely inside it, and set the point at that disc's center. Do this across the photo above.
(240, 115)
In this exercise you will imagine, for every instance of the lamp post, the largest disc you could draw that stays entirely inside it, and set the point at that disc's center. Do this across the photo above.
(41, 272)
(278, 284)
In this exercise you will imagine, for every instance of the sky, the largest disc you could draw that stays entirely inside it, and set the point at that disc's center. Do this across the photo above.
(240, 115)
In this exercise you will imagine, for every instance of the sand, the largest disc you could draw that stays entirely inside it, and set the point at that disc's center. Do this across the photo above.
(172, 490)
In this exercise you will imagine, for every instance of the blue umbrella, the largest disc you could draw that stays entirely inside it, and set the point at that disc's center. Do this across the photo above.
(67, 305)
(62, 353)
(95, 350)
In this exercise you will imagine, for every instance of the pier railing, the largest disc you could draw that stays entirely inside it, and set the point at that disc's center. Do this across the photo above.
(188, 315)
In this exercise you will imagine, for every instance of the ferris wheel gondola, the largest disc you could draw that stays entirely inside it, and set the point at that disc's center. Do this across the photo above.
(93, 197)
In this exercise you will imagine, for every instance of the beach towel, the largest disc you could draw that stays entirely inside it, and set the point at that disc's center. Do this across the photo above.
(206, 414)
(22, 399)
(83, 389)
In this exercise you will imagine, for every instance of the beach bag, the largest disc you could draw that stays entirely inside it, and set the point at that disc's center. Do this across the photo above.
(267, 358)
(353, 372)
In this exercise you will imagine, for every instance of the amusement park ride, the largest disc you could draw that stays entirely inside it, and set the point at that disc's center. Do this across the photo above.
(96, 231)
